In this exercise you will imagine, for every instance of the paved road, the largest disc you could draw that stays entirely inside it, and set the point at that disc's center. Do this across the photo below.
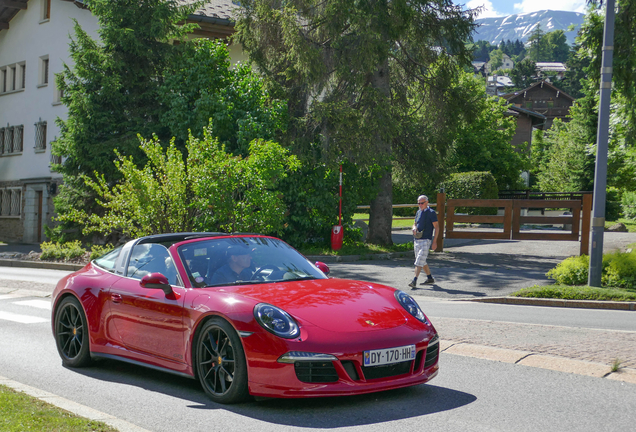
(470, 394)
(475, 268)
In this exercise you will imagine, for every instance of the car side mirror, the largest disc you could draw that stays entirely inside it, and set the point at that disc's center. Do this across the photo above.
(323, 267)
(156, 281)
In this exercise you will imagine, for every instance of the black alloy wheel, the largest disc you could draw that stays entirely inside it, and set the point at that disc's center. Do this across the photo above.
(220, 362)
(71, 333)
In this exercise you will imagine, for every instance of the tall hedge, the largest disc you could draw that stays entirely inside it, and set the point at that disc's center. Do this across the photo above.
(472, 185)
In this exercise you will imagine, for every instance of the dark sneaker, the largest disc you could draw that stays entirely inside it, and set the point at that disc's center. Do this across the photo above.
(413, 283)
(429, 281)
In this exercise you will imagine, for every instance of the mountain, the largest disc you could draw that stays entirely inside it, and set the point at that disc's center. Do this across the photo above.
(520, 26)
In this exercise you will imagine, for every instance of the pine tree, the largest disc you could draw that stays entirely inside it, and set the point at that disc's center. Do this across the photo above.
(356, 73)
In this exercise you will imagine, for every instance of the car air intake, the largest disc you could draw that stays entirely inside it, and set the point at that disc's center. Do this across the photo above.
(386, 371)
(315, 372)
(432, 352)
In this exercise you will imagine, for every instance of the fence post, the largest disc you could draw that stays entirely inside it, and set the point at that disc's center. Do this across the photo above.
(441, 212)
(585, 224)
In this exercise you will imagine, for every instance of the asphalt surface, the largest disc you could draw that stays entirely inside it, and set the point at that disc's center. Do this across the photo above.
(467, 271)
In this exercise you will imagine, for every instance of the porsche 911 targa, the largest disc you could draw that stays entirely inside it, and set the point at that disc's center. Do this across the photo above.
(243, 314)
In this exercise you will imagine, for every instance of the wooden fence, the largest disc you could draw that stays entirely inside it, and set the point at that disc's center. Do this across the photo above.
(579, 205)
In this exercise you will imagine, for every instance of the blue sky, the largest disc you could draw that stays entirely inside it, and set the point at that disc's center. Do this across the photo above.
(495, 8)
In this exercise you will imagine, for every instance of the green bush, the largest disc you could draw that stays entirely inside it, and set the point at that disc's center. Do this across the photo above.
(628, 204)
(613, 204)
(571, 271)
(98, 250)
(61, 251)
(619, 270)
(472, 185)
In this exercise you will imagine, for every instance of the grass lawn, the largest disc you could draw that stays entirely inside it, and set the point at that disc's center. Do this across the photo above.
(20, 412)
(584, 292)
(396, 223)
(629, 223)
(355, 249)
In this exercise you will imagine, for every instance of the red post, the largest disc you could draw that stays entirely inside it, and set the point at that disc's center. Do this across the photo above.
(337, 231)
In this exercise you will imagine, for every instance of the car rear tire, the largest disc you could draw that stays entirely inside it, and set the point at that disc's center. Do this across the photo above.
(71, 333)
(220, 362)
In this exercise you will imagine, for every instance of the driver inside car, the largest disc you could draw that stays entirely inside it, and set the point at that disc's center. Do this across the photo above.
(238, 266)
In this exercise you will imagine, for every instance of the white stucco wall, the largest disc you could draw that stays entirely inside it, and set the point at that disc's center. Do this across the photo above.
(27, 40)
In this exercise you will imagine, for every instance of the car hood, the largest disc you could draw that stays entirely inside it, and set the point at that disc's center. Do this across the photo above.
(332, 304)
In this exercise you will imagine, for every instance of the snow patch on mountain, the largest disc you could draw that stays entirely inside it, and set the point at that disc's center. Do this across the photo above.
(520, 26)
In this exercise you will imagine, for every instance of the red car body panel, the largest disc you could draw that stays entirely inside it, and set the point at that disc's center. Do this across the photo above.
(338, 317)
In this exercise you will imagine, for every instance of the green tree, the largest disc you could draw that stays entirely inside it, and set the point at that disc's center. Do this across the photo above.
(538, 48)
(523, 73)
(496, 59)
(211, 191)
(355, 74)
(558, 45)
(565, 159)
(112, 89)
(483, 144)
(481, 50)
(200, 85)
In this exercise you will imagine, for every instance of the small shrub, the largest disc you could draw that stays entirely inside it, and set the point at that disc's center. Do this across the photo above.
(612, 204)
(571, 271)
(472, 185)
(98, 250)
(61, 251)
(628, 204)
(619, 270)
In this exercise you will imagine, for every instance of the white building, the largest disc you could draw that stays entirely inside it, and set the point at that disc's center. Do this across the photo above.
(34, 39)
(507, 63)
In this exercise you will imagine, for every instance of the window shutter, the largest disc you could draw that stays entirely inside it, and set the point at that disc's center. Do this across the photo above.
(16, 202)
(18, 139)
(40, 135)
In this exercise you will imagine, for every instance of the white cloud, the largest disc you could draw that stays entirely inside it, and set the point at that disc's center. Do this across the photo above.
(557, 5)
(488, 10)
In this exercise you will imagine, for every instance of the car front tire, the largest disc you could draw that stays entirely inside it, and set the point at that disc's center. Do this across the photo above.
(71, 333)
(220, 362)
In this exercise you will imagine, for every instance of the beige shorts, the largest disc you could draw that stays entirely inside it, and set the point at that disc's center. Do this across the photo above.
(421, 246)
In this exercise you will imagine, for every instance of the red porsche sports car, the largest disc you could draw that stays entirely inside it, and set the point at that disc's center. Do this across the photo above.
(243, 314)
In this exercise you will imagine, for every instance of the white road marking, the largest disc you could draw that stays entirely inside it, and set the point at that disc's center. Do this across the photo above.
(24, 319)
(42, 304)
(10, 296)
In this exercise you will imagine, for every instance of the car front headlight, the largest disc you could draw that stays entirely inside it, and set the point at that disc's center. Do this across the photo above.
(276, 321)
(410, 305)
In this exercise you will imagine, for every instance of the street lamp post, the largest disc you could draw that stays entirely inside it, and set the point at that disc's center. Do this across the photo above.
(600, 173)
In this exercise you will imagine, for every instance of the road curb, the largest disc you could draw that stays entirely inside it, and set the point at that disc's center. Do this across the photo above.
(542, 361)
(584, 304)
(40, 264)
(72, 407)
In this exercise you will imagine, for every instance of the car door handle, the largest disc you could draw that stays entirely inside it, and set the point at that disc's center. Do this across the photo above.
(116, 298)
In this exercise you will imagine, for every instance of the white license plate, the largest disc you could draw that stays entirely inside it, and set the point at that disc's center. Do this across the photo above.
(389, 355)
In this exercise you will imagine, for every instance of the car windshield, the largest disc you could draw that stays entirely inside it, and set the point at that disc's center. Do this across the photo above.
(244, 260)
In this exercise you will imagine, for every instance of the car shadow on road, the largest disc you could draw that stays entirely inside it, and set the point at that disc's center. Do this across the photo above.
(324, 412)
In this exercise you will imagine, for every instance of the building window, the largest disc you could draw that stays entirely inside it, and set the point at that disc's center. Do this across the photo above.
(10, 202)
(44, 71)
(18, 138)
(40, 136)
(12, 77)
(46, 11)
(22, 75)
(11, 139)
(8, 140)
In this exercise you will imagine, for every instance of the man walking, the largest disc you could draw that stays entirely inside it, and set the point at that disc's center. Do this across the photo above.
(423, 238)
